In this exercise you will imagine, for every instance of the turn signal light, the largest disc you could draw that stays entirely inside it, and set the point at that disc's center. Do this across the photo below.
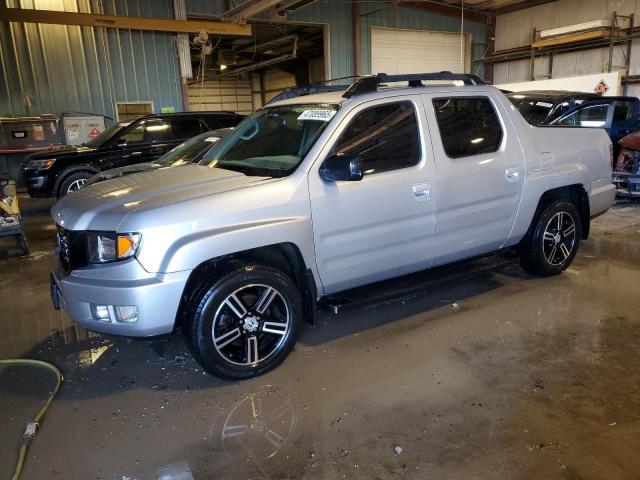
(126, 246)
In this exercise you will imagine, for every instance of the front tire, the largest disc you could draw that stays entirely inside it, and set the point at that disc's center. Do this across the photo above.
(73, 182)
(553, 239)
(246, 322)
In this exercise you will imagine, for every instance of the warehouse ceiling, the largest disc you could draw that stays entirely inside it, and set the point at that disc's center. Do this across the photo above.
(270, 44)
(495, 7)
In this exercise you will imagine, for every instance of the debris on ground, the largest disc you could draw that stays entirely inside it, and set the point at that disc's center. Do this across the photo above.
(344, 452)
(398, 450)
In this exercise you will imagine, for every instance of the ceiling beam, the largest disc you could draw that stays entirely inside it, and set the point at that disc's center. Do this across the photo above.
(25, 15)
(521, 6)
(442, 9)
(248, 9)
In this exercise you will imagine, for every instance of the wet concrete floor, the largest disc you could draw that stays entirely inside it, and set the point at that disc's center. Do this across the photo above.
(526, 378)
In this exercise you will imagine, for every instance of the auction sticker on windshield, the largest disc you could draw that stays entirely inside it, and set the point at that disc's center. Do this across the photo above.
(317, 114)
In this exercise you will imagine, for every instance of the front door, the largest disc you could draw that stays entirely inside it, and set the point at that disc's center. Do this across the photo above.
(383, 225)
(144, 141)
(481, 173)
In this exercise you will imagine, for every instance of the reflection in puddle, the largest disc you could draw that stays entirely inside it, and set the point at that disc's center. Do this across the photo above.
(88, 357)
(247, 442)
(259, 425)
(175, 471)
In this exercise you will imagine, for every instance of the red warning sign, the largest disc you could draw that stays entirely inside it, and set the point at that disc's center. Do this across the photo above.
(93, 133)
(601, 87)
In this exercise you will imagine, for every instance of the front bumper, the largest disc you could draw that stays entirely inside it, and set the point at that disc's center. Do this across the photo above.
(36, 183)
(157, 296)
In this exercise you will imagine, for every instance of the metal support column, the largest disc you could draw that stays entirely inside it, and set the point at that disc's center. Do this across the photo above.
(612, 30)
(532, 61)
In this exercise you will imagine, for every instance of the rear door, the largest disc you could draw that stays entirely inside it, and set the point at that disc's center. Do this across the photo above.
(383, 225)
(184, 128)
(624, 119)
(481, 172)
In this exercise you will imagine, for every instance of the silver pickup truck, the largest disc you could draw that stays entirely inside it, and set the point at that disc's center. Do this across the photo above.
(318, 194)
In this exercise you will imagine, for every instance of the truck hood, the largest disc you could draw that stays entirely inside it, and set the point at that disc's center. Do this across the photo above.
(122, 171)
(103, 206)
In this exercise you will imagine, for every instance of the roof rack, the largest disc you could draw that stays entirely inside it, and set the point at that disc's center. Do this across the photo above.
(370, 83)
(303, 91)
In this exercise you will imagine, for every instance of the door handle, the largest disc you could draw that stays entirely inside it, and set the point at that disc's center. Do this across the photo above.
(512, 174)
(421, 191)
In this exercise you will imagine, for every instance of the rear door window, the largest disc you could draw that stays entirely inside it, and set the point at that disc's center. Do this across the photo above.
(622, 110)
(589, 116)
(468, 126)
(385, 137)
(183, 128)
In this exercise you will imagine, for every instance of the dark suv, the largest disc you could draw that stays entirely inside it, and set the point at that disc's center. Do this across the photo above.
(541, 107)
(618, 115)
(57, 172)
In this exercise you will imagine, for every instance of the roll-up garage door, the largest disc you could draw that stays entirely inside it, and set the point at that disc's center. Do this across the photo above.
(233, 95)
(416, 51)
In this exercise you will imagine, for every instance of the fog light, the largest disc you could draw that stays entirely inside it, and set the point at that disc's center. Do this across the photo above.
(126, 313)
(100, 312)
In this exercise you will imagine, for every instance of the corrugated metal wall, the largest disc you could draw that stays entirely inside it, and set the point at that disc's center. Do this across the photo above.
(338, 16)
(515, 30)
(68, 68)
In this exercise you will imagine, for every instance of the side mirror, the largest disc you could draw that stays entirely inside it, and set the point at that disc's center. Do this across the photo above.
(342, 167)
(121, 142)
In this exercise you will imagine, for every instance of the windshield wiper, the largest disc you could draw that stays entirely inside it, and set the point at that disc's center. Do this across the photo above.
(252, 171)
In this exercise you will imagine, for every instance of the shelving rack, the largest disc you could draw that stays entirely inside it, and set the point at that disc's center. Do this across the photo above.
(622, 31)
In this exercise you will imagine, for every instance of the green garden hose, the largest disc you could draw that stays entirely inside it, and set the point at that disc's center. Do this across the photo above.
(32, 428)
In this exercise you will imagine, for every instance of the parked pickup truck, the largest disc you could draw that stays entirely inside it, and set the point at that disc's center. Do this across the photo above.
(319, 194)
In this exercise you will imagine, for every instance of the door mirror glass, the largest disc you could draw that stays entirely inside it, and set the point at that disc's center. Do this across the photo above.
(342, 167)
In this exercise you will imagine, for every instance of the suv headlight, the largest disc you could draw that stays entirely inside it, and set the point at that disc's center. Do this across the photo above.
(40, 164)
(103, 247)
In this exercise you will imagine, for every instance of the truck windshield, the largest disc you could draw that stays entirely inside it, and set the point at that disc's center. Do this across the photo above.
(273, 141)
(187, 151)
(535, 110)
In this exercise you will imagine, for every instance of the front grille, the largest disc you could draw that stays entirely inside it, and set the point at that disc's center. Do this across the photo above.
(72, 249)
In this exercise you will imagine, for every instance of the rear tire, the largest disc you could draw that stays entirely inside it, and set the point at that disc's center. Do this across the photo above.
(73, 182)
(553, 239)
(244, 323)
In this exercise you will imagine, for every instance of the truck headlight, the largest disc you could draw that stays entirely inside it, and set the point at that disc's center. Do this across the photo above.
(40, 164)
(103, 247)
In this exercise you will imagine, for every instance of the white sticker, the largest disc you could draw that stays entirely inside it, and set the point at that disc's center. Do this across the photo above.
(321, 115)
(544, 104)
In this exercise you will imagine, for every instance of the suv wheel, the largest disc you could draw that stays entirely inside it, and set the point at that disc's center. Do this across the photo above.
(553, 239)
(73, 182)
(245, 323)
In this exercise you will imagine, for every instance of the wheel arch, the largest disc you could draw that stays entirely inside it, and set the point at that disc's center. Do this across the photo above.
(575, 194)
(62, 176)
(285, 256)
